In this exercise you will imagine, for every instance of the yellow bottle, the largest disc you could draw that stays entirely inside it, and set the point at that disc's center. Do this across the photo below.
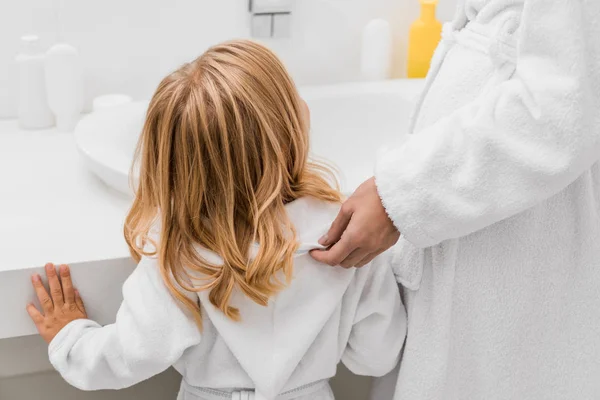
(425, 34)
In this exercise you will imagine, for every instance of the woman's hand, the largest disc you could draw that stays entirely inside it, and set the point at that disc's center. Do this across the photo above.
(361, 231)
(62, 306)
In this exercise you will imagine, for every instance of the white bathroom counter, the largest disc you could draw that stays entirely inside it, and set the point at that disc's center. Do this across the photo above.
(51, 207)
(53, 210)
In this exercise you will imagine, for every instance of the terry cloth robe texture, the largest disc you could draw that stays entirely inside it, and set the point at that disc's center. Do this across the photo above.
(497, 196)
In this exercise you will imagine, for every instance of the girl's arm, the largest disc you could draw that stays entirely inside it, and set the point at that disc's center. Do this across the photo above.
(379, 328)
(150, 334)
(512, 148)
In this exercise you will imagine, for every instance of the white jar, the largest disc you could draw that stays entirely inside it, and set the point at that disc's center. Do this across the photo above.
(32, 105)
(64, 85)
(110, 100)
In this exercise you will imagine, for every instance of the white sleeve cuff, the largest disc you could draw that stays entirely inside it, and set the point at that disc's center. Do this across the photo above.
(59, 347)
(402, 198)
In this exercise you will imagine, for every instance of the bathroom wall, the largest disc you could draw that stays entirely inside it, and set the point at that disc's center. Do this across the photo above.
(127, 46)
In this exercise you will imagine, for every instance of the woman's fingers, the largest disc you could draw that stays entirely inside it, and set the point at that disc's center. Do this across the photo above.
(68, 292)
(368, 258)
(336, 254)
(79, 302)
(34, 313)
(363, 223)
(42, 294)
(338, 226)
(56, 291)
(354, 258)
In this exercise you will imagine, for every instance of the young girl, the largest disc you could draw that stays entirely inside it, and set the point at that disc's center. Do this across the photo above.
(227, 208)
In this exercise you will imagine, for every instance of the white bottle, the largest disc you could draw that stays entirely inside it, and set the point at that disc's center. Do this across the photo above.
(8, 90)
(32, 106)
(376, 52)
(64, 85)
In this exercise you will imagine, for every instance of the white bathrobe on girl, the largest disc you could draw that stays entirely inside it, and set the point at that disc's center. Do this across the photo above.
(497, 197)
(287, 350)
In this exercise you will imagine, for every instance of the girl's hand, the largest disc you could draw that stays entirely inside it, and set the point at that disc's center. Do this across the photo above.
(62, 306)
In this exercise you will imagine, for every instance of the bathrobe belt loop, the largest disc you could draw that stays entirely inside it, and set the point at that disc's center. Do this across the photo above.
(448, 33)
(242, 395)
(189, 392)
(449, 38)
(503, 46)
(499, 44)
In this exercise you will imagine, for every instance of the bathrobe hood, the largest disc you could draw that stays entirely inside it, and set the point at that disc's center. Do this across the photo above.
(269, 342)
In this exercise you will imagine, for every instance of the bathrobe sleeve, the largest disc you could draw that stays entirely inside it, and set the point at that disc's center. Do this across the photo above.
(150, 334)
(517, 145)
(379, 328)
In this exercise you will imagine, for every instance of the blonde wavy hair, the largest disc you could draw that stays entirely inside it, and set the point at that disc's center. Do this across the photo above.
(224, 147)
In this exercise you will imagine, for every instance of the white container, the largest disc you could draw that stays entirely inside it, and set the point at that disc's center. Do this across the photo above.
(110, 100)
(32, 107)
(64, 85)
(8, 90)
(376, 51)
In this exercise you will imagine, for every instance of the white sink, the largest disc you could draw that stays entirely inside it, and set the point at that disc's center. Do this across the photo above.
(350, 123)
(107, 140)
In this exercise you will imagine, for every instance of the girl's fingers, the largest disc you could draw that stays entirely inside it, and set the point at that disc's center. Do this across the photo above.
(79, 302)
(35, 315)
(67, 285)
(42, 294)
(56, 291)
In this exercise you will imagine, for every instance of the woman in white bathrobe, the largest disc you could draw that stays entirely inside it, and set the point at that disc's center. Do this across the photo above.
(496, 198)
